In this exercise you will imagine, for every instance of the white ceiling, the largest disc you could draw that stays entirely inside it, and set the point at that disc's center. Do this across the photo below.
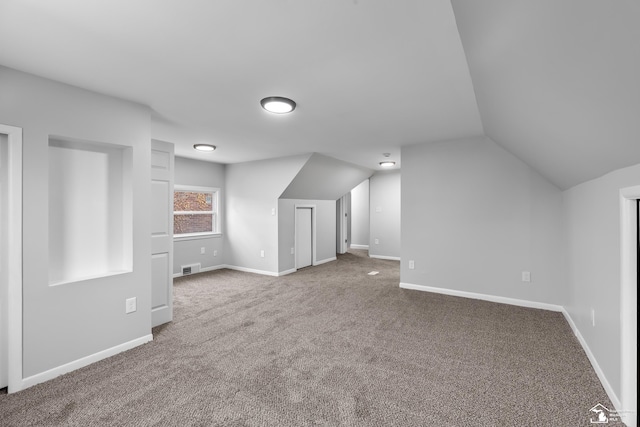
(556, 80)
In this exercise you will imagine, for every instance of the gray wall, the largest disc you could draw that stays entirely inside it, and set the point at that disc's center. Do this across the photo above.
(384, 216)
(474, 217)
(360, 214)
(592, 229)
(325, 178)
(252, 191)
(202, 174)
(64, 323)
(325, 211)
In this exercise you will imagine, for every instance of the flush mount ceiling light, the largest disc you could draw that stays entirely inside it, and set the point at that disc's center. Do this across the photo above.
(204, 147)
(387, 164)
(278, 104)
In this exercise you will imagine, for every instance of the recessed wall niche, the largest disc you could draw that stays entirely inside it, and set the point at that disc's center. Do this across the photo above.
(90, 210)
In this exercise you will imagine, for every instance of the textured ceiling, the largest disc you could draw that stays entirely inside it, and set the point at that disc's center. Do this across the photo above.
(556, 81)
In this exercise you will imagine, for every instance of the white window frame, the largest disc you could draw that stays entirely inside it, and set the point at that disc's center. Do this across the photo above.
(215, 198)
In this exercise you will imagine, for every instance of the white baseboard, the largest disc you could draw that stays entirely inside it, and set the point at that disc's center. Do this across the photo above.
(484, 297)
(596, 367)
(531, 304)
(82, 362)
(284, 273)
(352, 246)
(251, 270)
(324, 261)
(392, 258)
(202, 270)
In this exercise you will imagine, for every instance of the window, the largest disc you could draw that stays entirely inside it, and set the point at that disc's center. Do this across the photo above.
(195, 211)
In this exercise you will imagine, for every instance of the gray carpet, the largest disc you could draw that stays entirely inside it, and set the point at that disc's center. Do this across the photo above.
(328, 345)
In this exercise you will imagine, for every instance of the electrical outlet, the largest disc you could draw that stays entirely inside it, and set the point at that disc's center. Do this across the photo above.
(593, 317)
(130, 305)
(378, 209)
(202, 250)
(215, 253)
(376, 241)
(273, 211)
(412, 264)
(262, 253)
(526, 276)
(293, 251)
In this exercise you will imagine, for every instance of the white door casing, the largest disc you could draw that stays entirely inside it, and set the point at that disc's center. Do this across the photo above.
(4, 250)
(12, 262)
(629, 303)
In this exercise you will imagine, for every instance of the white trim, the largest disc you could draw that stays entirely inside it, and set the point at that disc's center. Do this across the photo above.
(484, 297)
(196, 236)
(354, 246)
(284, 273)
(215, 195)
(14, 260)
(628, 403)
(324, 261)
(195, 188)
(243, 269)
(392, 258)
(82, 362)
(538, 305)
(594, 363)
(342, 228)
(313, 233)
(202, 270)
(252, 270)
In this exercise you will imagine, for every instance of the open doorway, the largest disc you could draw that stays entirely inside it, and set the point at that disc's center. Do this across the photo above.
(630, 250)
(305, 236)
(4, 278)
(343, 223)
(10, 258)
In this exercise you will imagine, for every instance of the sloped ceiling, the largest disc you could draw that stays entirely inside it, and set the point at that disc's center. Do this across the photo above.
(557, 82)
(325, 178)
(368, 75)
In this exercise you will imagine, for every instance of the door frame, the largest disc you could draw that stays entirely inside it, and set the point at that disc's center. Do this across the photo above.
(313, 233)
(343, 223)
(628, 297)
(14, 259)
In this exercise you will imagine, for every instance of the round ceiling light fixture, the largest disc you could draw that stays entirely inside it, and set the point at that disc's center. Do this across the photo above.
(204, 147)
(387, 163)
(278, 104)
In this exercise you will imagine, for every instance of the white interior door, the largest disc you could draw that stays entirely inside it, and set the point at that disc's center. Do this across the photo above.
(162, 163)
(304, 239)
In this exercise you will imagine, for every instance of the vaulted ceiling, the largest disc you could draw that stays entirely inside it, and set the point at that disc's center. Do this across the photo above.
(555, 82)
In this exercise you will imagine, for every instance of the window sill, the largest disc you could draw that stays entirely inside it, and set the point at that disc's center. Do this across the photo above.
(196, 236)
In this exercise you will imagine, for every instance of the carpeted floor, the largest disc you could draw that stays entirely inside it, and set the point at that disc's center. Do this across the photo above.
(328, 345)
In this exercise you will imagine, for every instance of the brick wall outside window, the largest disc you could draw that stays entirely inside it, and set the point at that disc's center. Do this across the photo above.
(193, 201)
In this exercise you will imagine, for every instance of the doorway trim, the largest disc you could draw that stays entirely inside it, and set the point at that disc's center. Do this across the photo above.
(343, 221)
(313, 233)
(14, 259)
(628, 297)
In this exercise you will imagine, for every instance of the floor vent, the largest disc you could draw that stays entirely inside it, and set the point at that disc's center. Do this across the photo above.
(190, 269)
